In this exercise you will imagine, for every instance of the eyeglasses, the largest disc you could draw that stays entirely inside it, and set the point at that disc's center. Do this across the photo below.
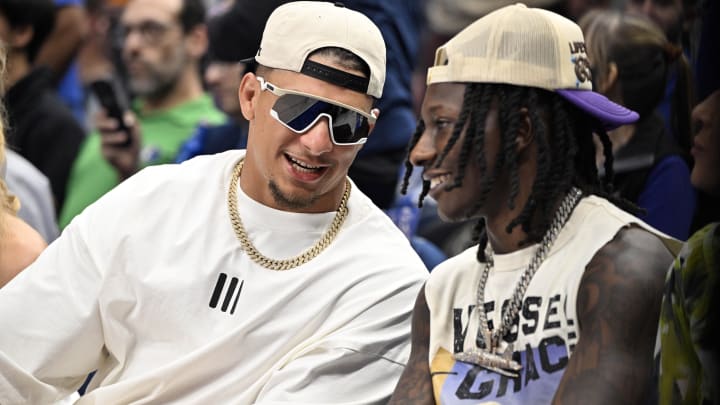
(299, 112)
(151, 32)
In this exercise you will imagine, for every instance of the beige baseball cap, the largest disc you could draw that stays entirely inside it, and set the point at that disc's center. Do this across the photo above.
(296, 29)
(531, 47)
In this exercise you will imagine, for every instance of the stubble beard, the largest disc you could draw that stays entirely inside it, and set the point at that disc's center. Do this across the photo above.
(151, 89)
(290, 202)
(160, 79)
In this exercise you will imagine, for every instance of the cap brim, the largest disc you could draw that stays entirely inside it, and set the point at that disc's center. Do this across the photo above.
(608, 113)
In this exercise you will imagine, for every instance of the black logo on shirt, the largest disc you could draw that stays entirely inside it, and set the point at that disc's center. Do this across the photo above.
(543, 315)
(229, 295)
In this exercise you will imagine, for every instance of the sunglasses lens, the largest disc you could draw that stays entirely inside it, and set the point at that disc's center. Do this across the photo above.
(300, 112)
(349, 127)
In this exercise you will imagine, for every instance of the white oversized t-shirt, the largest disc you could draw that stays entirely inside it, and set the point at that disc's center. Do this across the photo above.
(151, 287)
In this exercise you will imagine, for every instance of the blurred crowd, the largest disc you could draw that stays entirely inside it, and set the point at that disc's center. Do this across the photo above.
(176, 82)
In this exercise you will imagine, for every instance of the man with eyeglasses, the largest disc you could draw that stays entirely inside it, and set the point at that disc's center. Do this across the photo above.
(250, 277)
(163, 42)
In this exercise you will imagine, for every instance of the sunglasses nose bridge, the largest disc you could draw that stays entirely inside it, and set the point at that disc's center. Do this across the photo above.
(318, 137)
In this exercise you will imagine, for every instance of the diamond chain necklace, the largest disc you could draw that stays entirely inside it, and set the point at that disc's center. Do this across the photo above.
(291, 263)
(492, 357)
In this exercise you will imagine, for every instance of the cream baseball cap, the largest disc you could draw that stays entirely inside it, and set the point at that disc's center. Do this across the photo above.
(531, 47)
(296, 29)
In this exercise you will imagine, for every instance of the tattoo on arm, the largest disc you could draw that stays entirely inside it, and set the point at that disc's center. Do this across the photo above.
(415, 385)
(618, 308)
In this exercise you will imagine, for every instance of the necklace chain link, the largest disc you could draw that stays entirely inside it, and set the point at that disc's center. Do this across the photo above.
(291, 263)
(561, 217)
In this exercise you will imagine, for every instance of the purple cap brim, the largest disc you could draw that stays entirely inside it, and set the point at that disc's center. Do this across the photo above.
(610, 114)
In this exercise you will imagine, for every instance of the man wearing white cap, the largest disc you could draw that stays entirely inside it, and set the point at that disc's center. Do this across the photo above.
(258, 277)
(559, 301)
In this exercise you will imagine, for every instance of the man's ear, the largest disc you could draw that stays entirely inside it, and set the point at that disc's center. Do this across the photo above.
(526, 133)
(376, 113)
(247, 94)
(197, 41)
(21, 36)
(611, 79)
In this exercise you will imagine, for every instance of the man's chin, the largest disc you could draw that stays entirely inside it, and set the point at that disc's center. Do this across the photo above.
(139, 86)
(150, 89)
(456, 214)
(288, 201)
(450, 216)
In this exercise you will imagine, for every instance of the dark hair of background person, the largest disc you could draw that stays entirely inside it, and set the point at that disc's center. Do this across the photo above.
(93, 5)
(683, 99)
(641, 51)
(678, 104)
(631, 60)
(707, 63)
(707, 67)
(565, 157)
(192, 14)
(235, 34)
(37, 14)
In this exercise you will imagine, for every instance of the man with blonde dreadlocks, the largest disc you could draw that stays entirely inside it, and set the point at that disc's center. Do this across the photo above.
(569, 284)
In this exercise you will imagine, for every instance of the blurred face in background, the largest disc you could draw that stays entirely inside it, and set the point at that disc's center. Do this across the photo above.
(223, 80)
(577, 8)
(706, 145)
(154, 48)
(667, 14)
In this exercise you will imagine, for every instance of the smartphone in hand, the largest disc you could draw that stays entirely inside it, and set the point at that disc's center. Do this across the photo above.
(114, 105)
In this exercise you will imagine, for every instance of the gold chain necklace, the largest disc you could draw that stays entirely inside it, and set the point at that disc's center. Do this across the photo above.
(292, 262)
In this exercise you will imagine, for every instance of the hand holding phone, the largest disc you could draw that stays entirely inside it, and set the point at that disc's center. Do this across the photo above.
(120, 136)
(114, 105)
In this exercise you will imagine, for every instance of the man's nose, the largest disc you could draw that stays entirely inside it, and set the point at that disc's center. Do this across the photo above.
(424, 151)
(132, 41)
(317, 139)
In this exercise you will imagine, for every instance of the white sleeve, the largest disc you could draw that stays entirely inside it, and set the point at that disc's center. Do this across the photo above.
(333, 376)
(50, 331)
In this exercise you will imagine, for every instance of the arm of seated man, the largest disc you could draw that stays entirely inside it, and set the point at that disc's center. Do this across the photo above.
(618, 307)
(415, 385)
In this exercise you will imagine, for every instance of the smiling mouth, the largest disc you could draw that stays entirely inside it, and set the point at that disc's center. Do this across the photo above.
(439, 180)
(304, 167)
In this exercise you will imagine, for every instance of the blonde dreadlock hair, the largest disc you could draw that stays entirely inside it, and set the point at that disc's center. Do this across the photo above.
(8, 202)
